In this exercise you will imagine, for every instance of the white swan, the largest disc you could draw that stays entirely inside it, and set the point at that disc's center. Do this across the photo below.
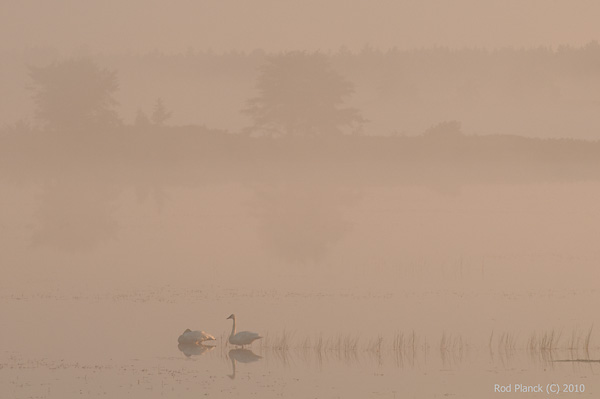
(243, 337)
(190, 337)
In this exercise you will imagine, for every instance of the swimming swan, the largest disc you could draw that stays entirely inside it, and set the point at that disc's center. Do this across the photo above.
(243, 337)
(190, 337)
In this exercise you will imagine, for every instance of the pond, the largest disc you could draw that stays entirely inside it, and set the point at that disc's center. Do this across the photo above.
(60, 344)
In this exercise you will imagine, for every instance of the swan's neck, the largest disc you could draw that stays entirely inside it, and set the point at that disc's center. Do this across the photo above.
(233, 329)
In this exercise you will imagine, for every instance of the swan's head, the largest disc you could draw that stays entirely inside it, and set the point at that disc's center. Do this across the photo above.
(232, 316)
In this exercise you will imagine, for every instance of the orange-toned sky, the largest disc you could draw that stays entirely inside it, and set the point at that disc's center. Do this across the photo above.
(144, 25)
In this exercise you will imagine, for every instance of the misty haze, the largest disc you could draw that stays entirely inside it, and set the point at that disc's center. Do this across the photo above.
(404, 209)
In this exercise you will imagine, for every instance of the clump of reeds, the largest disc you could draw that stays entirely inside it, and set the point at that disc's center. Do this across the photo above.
(412, 341)
(544, 341)
(550, 340)
(448, 343)
(507, 342)
(398, 343)
(375, 345)
(443, 342)
(280, 342)
(350, 344)
(306, 343)
(588, 339)
(318, 346)
(408, 344)
(580, 340)
(334, 344)
(340, 344)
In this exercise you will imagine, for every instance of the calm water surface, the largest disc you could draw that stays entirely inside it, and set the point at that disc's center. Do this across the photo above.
(64, 344)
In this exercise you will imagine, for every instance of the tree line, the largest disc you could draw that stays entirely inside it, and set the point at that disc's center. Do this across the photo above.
(299, 94)
(514, 91)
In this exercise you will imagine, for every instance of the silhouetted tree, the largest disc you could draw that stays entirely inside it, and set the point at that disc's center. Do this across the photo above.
(74, 94)
(300, 94)
(160, 114)
(445, 129)
(141, 119)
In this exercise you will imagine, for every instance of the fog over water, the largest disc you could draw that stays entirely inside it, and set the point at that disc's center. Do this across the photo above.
(400, 199)
(111, 26)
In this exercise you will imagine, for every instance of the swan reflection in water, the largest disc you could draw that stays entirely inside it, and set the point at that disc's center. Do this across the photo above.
(190, 350)
(242, 356)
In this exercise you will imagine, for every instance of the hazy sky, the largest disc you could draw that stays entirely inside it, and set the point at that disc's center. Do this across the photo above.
(143, 25)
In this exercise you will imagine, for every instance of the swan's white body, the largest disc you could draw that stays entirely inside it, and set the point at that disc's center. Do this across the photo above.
(243, 337)
(190, 337)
